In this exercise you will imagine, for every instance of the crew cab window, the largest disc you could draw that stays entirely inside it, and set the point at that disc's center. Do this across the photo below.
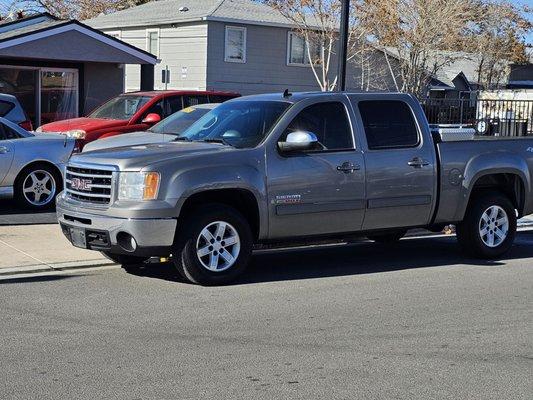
(189, 101)
(328, 121)
(388, 124)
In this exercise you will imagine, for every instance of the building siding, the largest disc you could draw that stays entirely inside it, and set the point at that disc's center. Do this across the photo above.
(194, 53)
(183, 49)
(101, 82)
(266, 68)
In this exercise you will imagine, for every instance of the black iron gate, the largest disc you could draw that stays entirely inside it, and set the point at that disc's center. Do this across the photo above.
(492, 117)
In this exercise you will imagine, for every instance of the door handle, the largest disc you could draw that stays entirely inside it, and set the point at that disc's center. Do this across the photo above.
(4, 150)
(418, 162)
(348, 167)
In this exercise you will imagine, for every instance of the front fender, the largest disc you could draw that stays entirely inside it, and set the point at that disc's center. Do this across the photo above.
(502, 162)
(187, 183)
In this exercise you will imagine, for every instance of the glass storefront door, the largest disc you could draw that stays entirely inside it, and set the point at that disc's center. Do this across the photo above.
(45, 94)
(59, 95)
(23, 84)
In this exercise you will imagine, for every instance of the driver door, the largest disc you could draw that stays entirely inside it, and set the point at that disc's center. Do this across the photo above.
(319, 191)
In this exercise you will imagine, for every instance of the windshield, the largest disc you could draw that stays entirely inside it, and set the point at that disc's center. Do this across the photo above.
(121, 107)
(240, 124)
(180, 120)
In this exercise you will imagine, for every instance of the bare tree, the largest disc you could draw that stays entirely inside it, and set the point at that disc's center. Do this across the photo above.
(497, 39)
(77, 9)
(318, 22)
(415, 31)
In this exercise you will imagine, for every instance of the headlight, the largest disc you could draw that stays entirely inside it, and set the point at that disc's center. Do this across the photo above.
(76, 134)
(138, 185)
(39, 129)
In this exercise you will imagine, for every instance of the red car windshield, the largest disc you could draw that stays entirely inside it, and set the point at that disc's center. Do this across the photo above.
(121, 107)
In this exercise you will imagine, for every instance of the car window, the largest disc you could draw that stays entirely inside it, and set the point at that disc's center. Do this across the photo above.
(174, 104)
(5, 107)
(328, 121)
(388, 124)
(218, 98)
(241, 124)
(156, 108)
(179, 121)
(121, 107)
(189, 101)
(7, 133)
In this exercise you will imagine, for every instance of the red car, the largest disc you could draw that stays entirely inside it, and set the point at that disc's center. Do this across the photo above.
(131, 112)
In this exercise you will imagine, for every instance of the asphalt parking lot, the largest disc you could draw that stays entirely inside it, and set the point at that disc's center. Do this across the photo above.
(412, 321)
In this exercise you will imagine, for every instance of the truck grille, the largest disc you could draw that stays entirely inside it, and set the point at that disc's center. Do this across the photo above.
(89, 184)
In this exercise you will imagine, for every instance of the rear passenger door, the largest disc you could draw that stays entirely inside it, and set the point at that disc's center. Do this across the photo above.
(400, 165)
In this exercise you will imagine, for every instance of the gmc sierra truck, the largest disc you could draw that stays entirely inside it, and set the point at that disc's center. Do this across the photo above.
(280, 167)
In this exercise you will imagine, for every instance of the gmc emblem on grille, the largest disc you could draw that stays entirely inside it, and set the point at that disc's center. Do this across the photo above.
(81, 184)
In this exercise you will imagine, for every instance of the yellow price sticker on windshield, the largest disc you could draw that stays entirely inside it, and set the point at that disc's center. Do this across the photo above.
(188, 110)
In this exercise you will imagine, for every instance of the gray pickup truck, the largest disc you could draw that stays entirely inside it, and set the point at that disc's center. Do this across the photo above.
(280, 167)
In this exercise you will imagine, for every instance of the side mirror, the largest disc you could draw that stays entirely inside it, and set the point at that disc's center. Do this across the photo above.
(151, 119)
(299, 141)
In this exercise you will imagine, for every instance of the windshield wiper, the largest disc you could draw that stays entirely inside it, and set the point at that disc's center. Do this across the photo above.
(216, 140)
(178, 138)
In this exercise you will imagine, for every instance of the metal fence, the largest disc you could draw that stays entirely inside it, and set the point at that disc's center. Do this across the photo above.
(498, 117)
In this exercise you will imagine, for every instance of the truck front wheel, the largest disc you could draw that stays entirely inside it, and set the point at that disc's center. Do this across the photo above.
(213, 245)
(489, 227)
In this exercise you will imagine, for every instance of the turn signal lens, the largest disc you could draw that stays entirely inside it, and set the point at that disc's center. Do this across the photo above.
(151, 185)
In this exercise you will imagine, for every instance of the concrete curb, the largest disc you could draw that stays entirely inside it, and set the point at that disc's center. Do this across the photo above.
(66, 266)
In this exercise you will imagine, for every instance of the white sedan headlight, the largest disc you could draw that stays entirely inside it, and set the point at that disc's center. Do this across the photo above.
(76, 134)
(138, 185)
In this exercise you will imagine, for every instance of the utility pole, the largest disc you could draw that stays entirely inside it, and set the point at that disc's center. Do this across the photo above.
(343, 45)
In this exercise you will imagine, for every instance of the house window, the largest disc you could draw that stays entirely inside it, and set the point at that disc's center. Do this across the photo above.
(152, 42)
(235, 44)
(298, 54)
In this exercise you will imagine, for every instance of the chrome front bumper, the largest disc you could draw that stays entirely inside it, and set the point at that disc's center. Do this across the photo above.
(149, 233)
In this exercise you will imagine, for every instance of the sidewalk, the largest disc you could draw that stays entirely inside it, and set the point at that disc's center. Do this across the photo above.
(41, 248)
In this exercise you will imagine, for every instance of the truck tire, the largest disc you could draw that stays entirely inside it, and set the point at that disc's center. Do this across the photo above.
(388, 237)
(128, 263)
(489, 227)
(214, 245)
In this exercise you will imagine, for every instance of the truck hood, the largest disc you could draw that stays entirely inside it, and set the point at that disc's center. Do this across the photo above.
(128, 139)
(87, 124)
(140, 156)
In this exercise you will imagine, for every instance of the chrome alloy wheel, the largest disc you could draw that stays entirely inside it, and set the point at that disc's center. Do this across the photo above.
(494, 226)
(218, 246)
(39, 187)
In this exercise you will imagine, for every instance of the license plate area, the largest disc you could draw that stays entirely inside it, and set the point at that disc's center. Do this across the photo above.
(78, 237)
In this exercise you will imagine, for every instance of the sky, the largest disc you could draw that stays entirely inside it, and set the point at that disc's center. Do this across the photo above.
(5, 3)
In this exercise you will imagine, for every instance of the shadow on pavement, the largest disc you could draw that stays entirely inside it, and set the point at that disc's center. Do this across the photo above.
(35, 279)
(12, 214)
(354, 259)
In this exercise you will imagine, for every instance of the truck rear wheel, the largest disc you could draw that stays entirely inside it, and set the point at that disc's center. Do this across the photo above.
(214, 245)
(489, 227)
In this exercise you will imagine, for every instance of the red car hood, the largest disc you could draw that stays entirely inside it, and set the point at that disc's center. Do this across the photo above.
(87, 124)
